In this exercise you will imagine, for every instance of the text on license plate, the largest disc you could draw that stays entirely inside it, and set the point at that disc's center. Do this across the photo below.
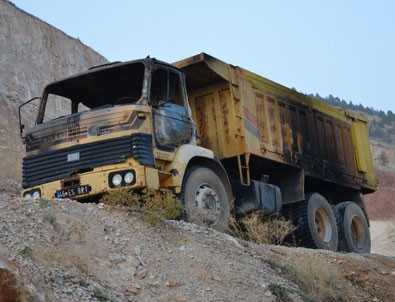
(73, 192)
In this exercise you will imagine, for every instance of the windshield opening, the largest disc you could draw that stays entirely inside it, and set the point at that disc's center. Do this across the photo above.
(118, 85)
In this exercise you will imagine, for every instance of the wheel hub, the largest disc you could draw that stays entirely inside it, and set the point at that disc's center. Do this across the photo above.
(357, 232)
(323, 225)
(207, 204)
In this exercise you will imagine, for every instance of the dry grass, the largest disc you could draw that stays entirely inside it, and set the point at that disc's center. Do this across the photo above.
(58, 257)
(155, 206)
(316, 278)
(266, 230)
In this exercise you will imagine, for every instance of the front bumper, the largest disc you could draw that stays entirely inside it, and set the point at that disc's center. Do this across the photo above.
(98, 181)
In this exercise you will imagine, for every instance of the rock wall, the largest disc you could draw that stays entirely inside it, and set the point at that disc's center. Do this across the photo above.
(32, 53)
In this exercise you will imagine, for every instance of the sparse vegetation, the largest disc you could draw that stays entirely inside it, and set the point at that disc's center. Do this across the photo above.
(316, 278)
(266, 230)
(155, 206)
(383, 159)
(99, 294)
(280, 292)
(59, 257)
(50, 218)
(26, 252)
(43, 203)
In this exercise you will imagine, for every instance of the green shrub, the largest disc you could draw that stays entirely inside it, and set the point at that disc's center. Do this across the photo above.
(51, 218)
(27, 252)
(279, 291)
(99, 294)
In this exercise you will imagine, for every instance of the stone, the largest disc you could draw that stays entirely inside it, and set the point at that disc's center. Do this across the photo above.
(141, 273)
(137, 250)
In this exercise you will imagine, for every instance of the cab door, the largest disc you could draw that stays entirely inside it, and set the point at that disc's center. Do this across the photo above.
(171, 123)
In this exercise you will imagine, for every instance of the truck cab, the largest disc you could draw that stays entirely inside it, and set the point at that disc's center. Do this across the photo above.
(115, 125)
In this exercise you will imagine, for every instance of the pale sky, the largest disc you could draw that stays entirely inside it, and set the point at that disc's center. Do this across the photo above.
(344, 48)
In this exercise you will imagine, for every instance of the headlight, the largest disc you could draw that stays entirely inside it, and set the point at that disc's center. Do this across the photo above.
(116, 180)
(36, 195)
(128, 178)
(27, 196)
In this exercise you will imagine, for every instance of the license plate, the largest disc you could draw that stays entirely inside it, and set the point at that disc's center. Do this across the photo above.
(73, 192)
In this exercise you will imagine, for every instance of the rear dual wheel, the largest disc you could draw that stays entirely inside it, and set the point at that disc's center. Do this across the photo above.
(354, 235)
(316, 223)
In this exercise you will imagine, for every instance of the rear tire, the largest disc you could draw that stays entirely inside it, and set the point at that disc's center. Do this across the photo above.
(316, 223)
(205, 198)
(354, 235)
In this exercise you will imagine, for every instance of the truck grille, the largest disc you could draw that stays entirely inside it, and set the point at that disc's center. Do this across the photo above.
(53, 165)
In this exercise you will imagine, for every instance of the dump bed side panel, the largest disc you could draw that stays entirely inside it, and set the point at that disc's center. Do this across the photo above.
(239, 114)
(291, 128)
(215, 119)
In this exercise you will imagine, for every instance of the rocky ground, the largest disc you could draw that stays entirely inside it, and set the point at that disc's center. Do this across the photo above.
(61, 250)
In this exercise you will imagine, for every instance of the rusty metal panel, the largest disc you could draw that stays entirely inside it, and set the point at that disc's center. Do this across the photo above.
(274, 128)
(348, 150)
(262, 120)
(330, 141)
(215, 119)
(224, 97)
(321, 137)
(205, 121)
(280, 125)
(283, 118)
(293, 123)
(304, 133)
(339, 144)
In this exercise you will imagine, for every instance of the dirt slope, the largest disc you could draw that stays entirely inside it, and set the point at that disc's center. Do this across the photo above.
(67, 251)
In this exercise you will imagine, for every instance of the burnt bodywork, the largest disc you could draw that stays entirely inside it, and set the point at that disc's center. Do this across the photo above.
(262, 130)
(51, 166)
(106, 116)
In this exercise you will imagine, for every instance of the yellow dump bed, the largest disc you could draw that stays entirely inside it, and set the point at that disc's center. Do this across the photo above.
(264, 125)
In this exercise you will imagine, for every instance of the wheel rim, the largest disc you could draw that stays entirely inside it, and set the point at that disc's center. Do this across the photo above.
(357, 232)
(208, 205)
(323, 225)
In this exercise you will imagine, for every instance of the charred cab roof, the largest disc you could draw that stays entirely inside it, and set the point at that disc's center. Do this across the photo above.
(101, 76)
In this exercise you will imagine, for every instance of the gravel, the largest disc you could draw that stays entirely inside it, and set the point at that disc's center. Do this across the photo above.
(68, 251)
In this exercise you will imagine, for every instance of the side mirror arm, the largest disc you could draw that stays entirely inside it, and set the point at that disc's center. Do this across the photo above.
(22, 126)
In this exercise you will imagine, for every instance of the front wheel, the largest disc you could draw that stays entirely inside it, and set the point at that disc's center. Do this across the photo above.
(205, 198)
(354, 235)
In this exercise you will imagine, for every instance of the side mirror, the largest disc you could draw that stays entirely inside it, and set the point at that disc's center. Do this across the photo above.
(22, 126)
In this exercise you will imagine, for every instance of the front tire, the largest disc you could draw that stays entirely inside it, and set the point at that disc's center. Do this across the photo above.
(354, 235)
(205, 198)
(316, 223)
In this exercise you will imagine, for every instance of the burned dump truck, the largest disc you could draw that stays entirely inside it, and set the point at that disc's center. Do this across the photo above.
(225, 140)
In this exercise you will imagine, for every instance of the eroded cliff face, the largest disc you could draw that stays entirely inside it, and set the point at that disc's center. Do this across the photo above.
(32, 54)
